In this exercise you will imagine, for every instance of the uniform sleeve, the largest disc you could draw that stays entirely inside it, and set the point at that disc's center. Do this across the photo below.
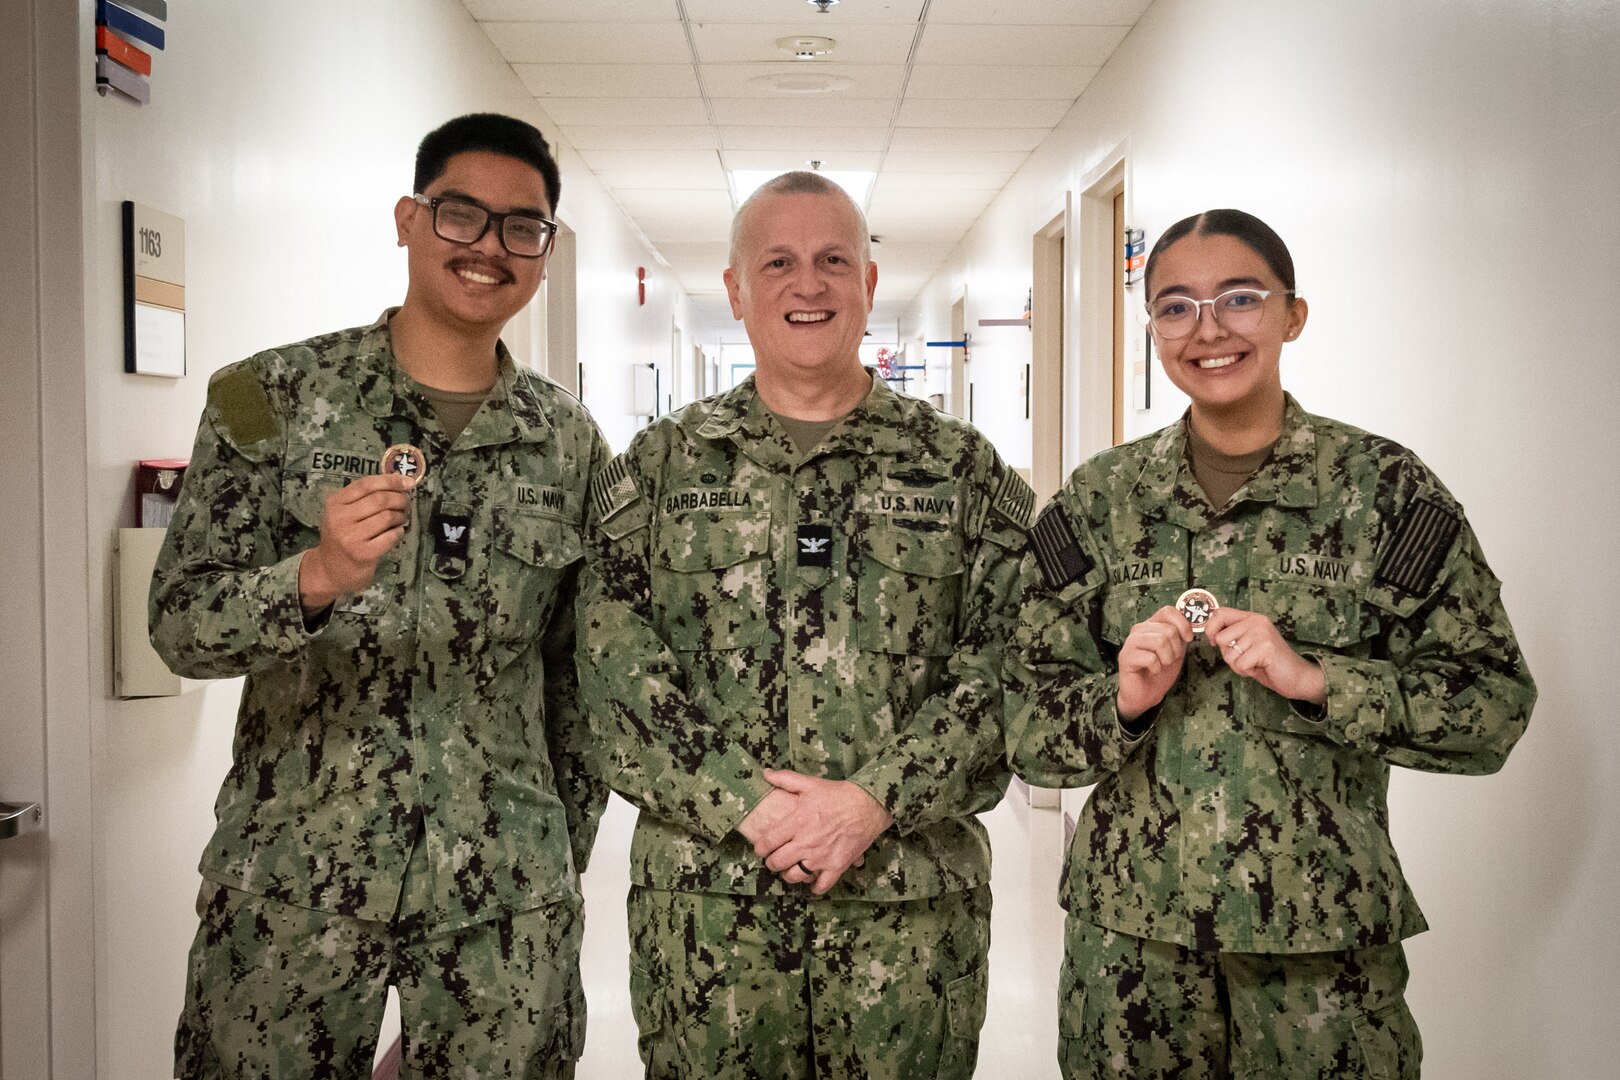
(948, 760)
(1446, 688)
(576, 758)
(224, 597)
(662, 753)
(1062, 679)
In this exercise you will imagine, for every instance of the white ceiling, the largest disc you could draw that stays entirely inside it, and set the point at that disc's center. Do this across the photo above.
(944, 99)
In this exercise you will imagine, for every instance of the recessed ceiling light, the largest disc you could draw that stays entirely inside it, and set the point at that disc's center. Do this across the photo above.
(807, 82)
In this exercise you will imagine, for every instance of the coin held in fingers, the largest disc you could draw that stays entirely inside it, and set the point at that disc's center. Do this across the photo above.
(1196, 606)
(405, 460)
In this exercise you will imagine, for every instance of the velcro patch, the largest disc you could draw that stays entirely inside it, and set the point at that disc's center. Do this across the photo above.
(243, 407)
(452, 534)
(815, 544)
(613, 489)
(1423, 536)
(1056, 550)
(1016, 499)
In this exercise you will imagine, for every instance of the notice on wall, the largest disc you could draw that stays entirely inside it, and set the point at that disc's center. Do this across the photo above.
(154, 292)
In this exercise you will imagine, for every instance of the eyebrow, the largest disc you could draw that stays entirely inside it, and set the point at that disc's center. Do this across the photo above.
(1229, 283)
(457, 193)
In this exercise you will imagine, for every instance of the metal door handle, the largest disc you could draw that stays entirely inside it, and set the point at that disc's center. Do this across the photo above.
(18, 818)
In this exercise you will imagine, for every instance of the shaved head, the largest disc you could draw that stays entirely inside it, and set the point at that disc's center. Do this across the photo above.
(801, 182)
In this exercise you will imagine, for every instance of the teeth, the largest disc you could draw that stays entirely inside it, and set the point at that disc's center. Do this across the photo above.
(808, 316)
(1215, 362)
(481, 279)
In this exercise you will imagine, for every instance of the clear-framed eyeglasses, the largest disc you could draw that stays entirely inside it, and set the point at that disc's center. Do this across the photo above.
(1237, 310)
(462, 221)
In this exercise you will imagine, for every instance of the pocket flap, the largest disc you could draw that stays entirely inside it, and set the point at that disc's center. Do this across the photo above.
(1313, 614)
(926, 554)
(536, 539)
(965, 1000)
(305, 498)
(707, 546)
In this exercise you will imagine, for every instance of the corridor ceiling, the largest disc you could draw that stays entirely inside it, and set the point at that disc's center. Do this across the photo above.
(942, 99)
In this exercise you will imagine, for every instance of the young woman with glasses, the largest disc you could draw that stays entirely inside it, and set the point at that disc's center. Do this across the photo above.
(1234, 627)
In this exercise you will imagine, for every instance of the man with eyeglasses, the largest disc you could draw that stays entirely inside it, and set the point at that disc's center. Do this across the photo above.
(381, 529)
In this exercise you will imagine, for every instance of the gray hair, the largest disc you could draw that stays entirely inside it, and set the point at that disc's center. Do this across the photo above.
(800, 182)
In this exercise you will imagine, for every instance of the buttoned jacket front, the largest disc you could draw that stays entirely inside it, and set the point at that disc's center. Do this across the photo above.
(839, 613)
(1237, 820)
(443, 698)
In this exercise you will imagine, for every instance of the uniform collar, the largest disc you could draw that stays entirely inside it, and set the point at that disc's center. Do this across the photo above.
(876, 426)
(512, 413)
(1288, 477)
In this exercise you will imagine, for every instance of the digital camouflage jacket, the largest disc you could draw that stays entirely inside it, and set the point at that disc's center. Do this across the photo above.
(839, 613)
(1236, 820)
(443, 698)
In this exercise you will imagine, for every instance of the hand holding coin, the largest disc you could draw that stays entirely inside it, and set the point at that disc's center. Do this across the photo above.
(1150, 661)
(359, 523)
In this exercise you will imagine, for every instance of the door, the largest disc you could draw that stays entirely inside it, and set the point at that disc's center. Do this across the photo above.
(1047, 329)
(958, 404)
(24, 896)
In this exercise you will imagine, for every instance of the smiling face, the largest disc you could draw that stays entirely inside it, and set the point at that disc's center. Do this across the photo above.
(475, 287)
(1217, 368)
(800, 285)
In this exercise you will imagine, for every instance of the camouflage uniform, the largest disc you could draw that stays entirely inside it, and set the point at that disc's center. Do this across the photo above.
(1235, 820)
(839, 613)
(436, 712)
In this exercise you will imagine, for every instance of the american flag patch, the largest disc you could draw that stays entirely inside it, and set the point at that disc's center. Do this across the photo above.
(1016, 499)
(1056, 550)
(1423, 536)
(613, 489)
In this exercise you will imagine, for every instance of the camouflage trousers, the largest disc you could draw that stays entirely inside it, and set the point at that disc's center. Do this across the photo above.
(285, 992)
(801, 988)
(1137, 1008)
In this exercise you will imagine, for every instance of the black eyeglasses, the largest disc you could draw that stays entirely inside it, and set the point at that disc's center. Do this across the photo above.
(462, 221)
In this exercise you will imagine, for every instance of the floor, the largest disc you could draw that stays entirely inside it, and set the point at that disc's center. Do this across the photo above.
(1020, 1031)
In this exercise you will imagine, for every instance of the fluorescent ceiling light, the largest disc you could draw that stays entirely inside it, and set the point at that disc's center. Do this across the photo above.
(744, 182)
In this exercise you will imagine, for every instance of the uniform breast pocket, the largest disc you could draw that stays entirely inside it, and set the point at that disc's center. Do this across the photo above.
(1328, 618)
(529, 554)
(910, 591)
(1126, 605)
(710, 581)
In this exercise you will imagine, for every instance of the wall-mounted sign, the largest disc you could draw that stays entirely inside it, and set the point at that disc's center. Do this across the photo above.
(154, 292)
(1135, 255)
(120, 64)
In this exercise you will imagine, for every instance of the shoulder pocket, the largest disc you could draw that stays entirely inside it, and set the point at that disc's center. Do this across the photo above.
(710, 581)
(910, 590)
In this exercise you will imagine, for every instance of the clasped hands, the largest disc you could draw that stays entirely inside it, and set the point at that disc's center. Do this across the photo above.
(1151, 657)
(813, 830)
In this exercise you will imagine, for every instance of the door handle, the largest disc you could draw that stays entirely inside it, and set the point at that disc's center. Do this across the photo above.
(16, 818)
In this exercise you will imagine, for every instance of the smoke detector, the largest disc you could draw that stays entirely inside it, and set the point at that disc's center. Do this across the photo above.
(806, 48)
(821, 6)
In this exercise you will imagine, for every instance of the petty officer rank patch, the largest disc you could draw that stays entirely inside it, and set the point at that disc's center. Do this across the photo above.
(1056, 549)
(1423, 535)
(815, 544)
(452, 533)
(613, 489)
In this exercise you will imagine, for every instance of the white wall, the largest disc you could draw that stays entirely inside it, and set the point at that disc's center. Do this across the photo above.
(282, 134)
(1445, 174)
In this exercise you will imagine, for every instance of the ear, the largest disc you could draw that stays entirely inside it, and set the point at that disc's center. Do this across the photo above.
(1298, 312)
(404, 216)
(871, 284)
(733, 293)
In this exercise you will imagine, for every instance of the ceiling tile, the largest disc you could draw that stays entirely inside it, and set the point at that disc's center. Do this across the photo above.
(659, 204)
(820, 111)
(605, 112)
(945, 201)
(810, 142)
(602, 161)
(955, 162)
(733, 80)
(650, 137)
(575, 10)
(714, 252)
(946, 113)
(892, 181)
(807, 20)
(1002, 82)
(711, 178)
(1055, 45)
(675, 228)
(590, 43)
(731, 43)
(1012, 12)
(788, 160)
(608, 80)
(983, 138)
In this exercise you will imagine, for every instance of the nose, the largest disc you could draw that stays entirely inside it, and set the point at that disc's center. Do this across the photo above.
(1208, 328)
(807, 280)
(490, 243)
